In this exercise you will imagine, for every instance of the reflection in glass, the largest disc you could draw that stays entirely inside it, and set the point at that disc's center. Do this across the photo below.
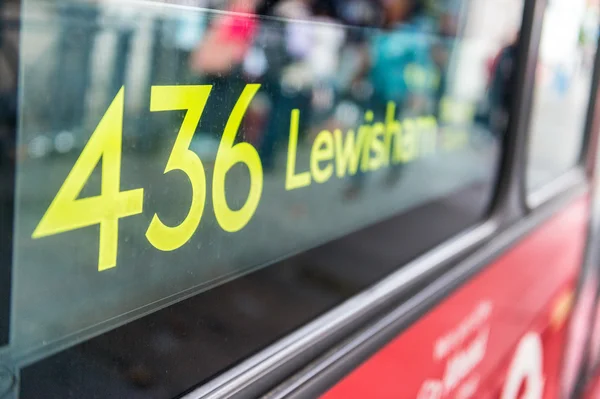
(9, 65)
(365, 110)
(562, 88)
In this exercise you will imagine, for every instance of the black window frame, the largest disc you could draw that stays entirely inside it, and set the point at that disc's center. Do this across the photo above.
(7, 182)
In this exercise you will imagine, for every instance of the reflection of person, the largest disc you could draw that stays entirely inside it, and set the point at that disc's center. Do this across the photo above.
(185, 30)
(494, 114)
(79, 25)
(8, 91)
(402, 69)
(218, 59)
(324, 59)
(227, 40)
(448, 27)
(123, 23)
(399, 64)
(440, 55)
(288, 78)
(1, 22)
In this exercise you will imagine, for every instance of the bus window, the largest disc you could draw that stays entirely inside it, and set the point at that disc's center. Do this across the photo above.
(209, 176)
(562, 89)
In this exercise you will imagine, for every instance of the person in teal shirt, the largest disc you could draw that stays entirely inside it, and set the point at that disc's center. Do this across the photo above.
(399, 66)
(402, 69)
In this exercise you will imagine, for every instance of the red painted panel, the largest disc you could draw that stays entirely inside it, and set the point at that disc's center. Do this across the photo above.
(593, 390)
(505, 326)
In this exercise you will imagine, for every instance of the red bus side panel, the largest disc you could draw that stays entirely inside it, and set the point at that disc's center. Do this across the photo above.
(593, 389)
(501, 335)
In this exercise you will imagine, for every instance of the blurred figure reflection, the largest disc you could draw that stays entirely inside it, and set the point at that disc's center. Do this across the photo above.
(493, 112)
(218, 60)
(287, 81)
(73, 76)
(400, 67)
(8, 87)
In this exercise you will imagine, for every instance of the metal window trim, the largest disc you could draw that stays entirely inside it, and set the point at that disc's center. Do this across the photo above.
(560, 184)
(510, 202)
(321, 330)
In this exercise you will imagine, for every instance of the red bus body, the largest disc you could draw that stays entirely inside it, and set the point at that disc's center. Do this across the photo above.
(467, 346)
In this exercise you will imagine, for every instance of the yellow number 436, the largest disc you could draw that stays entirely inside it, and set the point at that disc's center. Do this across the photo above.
(69, 212)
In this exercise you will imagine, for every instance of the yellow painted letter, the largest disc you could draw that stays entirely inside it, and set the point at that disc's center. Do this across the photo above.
(293, 180)
(393, 135)
(68, 212)
(346, 153)
(322, 151)
(408, 145)
(378, 154)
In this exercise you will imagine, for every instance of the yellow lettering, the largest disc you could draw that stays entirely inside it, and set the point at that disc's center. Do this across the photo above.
(192, 99)
(322, 151)
(293, 180)
(365, 137)
(346, 153)
(408, 143)
(455, 139)
(393, 135)
(378, 156)
(230, 154)
(68, 212)
(456, 112)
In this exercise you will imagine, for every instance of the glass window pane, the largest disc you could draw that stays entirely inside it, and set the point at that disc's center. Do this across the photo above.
(227, 149)
(562, 88)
